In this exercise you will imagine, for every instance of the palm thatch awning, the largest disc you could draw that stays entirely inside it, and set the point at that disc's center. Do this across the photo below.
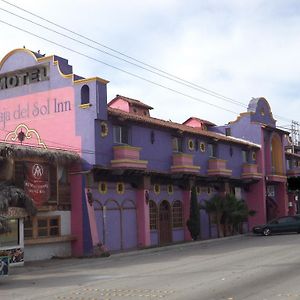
(12, 196)
(51, 155)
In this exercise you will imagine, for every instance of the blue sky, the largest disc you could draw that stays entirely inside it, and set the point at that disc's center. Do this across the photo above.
(240, 49)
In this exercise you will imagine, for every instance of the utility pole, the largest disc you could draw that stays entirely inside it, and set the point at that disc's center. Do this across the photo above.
(295, 134)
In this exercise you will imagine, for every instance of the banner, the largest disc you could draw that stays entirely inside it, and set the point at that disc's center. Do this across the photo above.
(36, 182)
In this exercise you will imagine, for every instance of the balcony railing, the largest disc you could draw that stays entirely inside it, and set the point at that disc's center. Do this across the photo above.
(126, 156)
(183, 163)
(217, 167)
(294, 171)
(250, 172)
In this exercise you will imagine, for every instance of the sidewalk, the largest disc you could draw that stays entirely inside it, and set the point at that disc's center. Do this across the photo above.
(71, 261)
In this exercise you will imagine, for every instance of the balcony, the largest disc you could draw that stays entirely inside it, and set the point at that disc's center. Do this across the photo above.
(276, 176)
(294, 171)
(217, 167)
(183, 163)
(250, 172)
(127, 157)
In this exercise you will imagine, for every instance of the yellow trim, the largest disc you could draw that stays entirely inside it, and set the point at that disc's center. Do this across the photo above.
(91, 79)
(99, 188)
(251, 174)
(186, 167)
(84, 106)
(3, 60)
(182, 154)
(218, 159)
(127, 147)
(55, 63)
(129, 161)
(105, 132)
(204, 147)
(218, 170)
(170, 189)
(28, 135)
(240, 116)
(157, 192)
(121, 184)
(191, 144)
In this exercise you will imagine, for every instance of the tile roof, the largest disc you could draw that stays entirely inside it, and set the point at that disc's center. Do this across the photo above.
(180, 127)
(200, 120)
(130, 101)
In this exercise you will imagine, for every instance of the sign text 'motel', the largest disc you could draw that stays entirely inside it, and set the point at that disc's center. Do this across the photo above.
(24, 77)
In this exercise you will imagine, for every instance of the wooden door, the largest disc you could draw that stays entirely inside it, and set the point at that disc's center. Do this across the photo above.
(165, 231)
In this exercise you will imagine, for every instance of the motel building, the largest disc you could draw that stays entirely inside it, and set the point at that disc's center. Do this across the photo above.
(98, 174)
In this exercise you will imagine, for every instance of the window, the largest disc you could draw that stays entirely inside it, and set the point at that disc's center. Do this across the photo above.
(120, 135)
(202, 147)
(120, 188)
(289, 164)
(153, 215)
(177, 214)
(156, 188)
(62, 174)
(177, 144)
(10, 238)
(170, 189)
(42, 227)
(191, 144)
(85, 94)
(245, 155)
(102, 187)
(228, 131)
(212, 150)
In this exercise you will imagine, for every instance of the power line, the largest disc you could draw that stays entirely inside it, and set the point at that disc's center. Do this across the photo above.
(119, 69)
(169, 76)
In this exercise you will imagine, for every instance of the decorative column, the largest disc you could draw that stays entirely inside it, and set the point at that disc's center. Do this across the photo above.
(186, 198)
(77, 211)
(143, 218)
(282, 199)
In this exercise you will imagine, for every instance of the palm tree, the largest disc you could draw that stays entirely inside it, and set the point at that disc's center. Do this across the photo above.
(214, 207)
(193, 223)
(228, 212)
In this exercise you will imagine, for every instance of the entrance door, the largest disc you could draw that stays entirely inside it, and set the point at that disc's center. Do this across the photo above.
(165, 232)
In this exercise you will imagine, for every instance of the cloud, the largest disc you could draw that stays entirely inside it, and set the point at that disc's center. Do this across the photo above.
(241, 49)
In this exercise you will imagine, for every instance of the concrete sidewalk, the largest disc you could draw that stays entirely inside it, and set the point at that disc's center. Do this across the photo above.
(55, 263)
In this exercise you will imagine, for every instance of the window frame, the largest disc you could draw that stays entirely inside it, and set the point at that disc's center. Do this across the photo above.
(35, 227)
(212, 150)
(153, 215)
(177, 214)
(122, 135)
(177, 144)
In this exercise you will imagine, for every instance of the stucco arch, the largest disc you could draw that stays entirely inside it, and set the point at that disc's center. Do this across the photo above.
(276, 154)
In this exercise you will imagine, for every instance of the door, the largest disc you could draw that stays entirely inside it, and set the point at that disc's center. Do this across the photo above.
(165, 230)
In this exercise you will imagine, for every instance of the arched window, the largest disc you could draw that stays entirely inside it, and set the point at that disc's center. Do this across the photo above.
(153, 215)
(276, 155)
(177, 214)
(85, 94)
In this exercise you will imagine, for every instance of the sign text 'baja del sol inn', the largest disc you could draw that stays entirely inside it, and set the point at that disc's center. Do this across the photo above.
(24, 77)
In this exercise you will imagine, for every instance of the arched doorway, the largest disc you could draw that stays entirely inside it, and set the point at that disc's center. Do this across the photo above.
(165, 230)
(276, 155)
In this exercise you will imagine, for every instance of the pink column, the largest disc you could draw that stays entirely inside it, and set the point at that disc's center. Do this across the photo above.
(143, 219)
(186, 197)
(76, 213)
(255, 199)
(282, 199)
(92, 218)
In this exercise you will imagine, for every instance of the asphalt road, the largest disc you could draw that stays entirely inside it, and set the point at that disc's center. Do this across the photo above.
(243, 267)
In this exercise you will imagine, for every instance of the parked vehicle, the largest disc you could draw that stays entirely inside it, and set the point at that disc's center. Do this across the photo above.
(279, 225)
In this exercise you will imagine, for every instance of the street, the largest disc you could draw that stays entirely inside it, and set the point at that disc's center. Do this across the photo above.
(235, 268)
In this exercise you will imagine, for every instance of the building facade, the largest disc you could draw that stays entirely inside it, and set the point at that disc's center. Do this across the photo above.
(131, 188)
